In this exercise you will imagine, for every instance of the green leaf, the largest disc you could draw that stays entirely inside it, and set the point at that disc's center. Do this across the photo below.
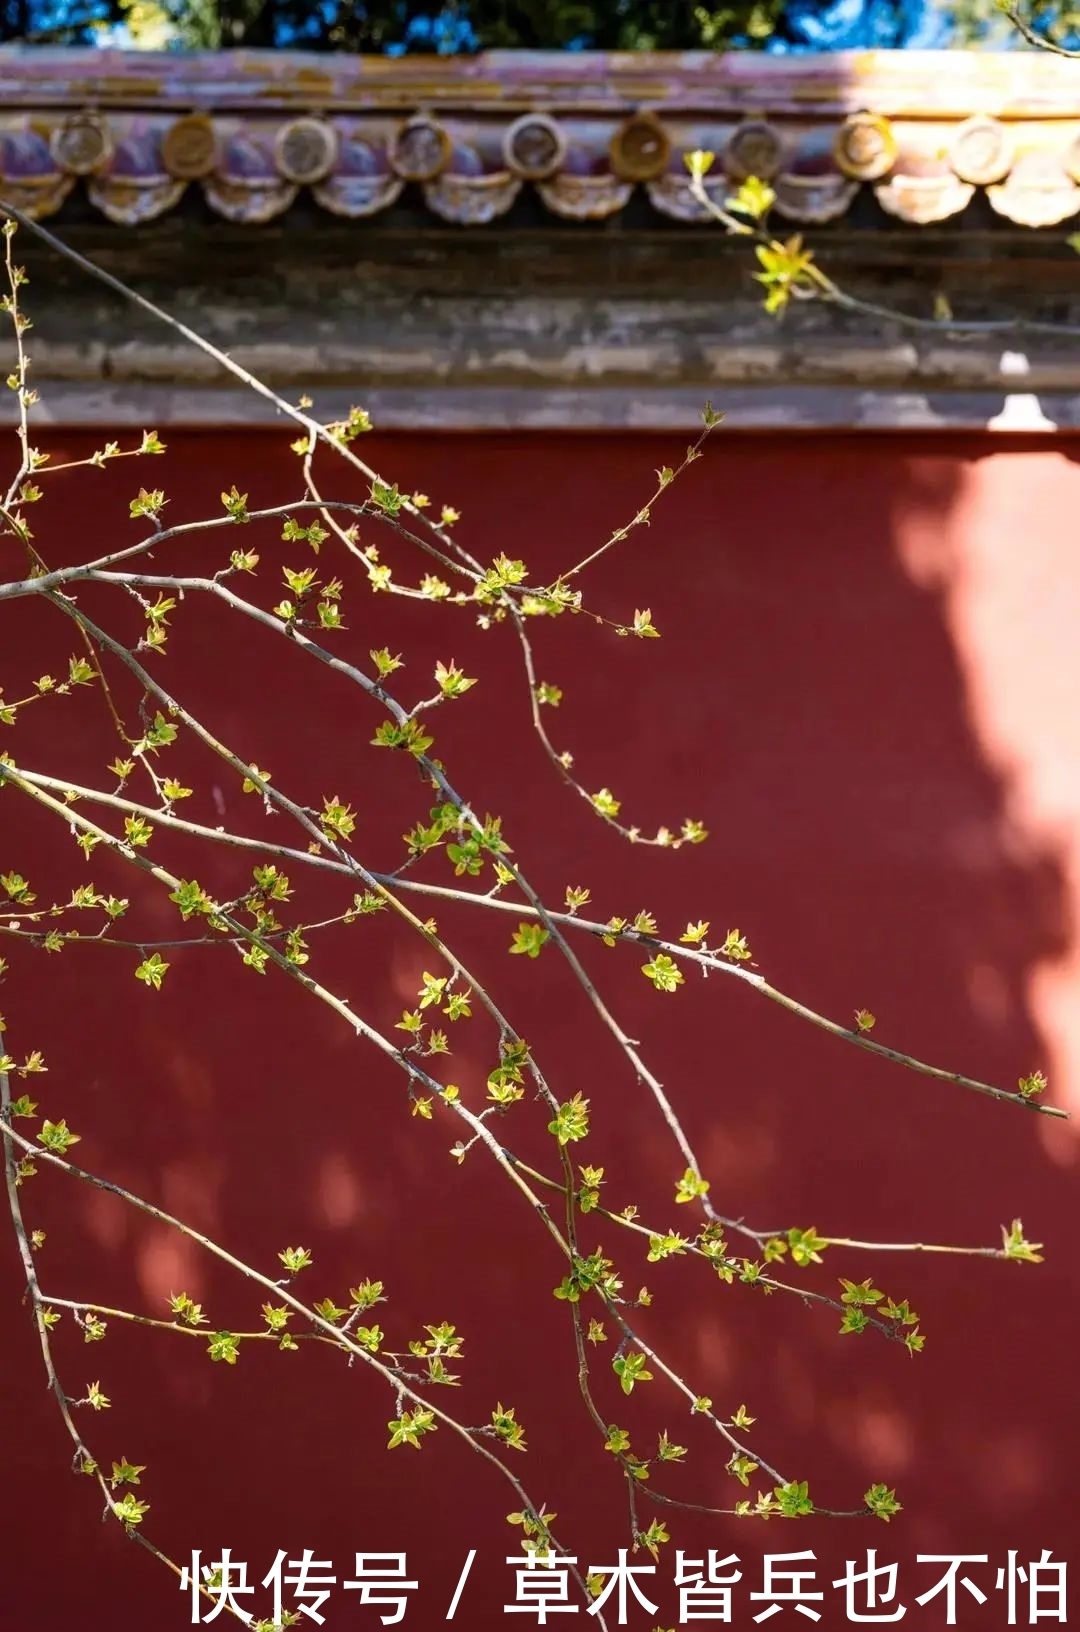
(1030, 1087)
(346, 431)
(741, 1467)
(294, 532)
(431, 989)
(618, 1440)
(125, 1473)
(529, 939)
(338, 821)
(17, 889)
(386, 498)
(410, 1427)
(690, 1186)
(754, 198)
(666, 1246)
(785, 268)
(806, 1246)
(329, 1310)
(138, 832)
(152, 971)
(667, 1451)
(298, 583)
(187, 1312)
(859, 1293)
(57, 1136)
(80, 672)
(256, 782)
(366, 1294)
(507, 1428)
(571, 1120)
(699, 163)
(147, 504)
(591, 1180)
(295, 1259)
(224, 1346)
(1016, 1247)
(654, 1537)
(606, 803)
(794, 1499)
(458, 1005)
(882, 1502)
(735, 947)
(131, 1511)
(191, 898)
(664, 973)
(452, 682)
(631, 1369)
(503, 574)
(235, 504)
(411, 735)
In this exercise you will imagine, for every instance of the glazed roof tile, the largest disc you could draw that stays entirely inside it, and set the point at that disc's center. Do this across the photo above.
(586, 132)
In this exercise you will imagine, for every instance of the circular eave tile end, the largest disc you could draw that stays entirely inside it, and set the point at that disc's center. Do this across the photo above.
(640, 149)
(189, 148)
(754, 149)
(82, 145)
(981, 152)
(865, 149)
(421, 150)
(534, 147)
(305, 151)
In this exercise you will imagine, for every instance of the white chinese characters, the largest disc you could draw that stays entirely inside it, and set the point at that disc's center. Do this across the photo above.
(711, 1588)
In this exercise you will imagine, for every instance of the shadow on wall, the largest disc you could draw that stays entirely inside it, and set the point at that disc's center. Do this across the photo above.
(865, 689)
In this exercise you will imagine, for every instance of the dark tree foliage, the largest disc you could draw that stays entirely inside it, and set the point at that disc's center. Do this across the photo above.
(380, 25)
(452, 27)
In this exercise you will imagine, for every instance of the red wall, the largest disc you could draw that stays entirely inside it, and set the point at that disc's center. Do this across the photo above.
(867, 689)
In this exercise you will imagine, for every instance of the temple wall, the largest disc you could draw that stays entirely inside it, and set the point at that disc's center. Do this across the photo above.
(867, 691)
